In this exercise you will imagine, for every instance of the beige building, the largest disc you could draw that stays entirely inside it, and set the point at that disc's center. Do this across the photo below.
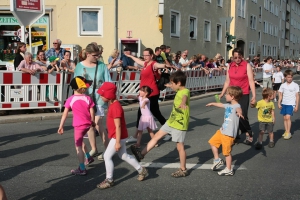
(194, 25)
(263, 27)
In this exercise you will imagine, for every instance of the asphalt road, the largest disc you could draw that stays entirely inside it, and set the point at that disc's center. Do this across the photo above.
(35, 163)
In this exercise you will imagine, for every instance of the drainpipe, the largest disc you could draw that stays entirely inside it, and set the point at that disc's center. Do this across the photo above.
(116, 24)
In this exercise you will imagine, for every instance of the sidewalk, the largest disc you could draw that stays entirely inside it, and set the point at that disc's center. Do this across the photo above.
(16, 116)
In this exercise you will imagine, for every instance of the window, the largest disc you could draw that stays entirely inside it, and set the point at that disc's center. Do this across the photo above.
(271, 7)
(270, 29)
(259, 38)
(277, 10)
(265, 27)
(207, 30)
(253, 22)
(251, 48)
(90, 20)
(193, 27)
(175, 24)
(269, 51)
(219, 33)
(260, 13)
(241, 8)
(266, 4)
(220, 3)
(264, 50)
(283, 15)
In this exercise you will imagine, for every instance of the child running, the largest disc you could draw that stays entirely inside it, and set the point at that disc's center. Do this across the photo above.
(83, 118)
(288, 101)
(278, 78)
(266, 118)
(117, 133)
(177, 124)
(226, 134)
(146, 121)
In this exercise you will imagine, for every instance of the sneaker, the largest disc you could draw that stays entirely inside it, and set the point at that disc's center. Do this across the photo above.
(79, 172)
(93, 153)
(131, 139)
(86, 136)
(226, 172)
(180, 173)
(258, 145)
(217, 165)
(138, 155)
(105, 184)
(283, 134)
(100, 157)
(247, 141)
(287, 136)
(143, 174)
(167, 137)
(271, 144)
(275, 100)
(89, 160)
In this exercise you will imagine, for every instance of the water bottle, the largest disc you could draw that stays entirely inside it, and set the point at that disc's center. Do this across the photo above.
(217, 98)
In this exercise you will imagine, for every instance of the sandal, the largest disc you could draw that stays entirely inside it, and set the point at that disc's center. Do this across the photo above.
(248, 141)
(105, 184)
(180, 173)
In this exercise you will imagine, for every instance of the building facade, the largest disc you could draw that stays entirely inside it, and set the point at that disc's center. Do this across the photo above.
(263, 27)
(122, 23)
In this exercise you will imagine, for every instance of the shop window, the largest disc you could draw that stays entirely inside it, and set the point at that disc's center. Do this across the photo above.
(10, 33)
(90, 20)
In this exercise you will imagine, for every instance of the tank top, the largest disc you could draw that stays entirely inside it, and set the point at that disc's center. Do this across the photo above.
(238, 76)
(147, 78)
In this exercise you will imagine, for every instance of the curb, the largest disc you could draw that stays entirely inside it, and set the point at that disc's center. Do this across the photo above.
(49, 116)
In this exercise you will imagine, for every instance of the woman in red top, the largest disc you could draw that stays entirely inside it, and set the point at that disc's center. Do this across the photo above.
(147, 79)
(240, 74)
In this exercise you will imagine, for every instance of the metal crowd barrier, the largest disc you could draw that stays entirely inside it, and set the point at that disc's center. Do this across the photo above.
(24, 91)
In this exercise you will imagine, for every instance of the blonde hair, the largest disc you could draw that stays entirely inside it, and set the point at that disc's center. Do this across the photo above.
(114, 53)
(91, 48)
(235, 91)
(267, 92)
(82, 55)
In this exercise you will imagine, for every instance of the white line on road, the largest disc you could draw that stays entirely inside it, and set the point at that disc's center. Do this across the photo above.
(188, 165)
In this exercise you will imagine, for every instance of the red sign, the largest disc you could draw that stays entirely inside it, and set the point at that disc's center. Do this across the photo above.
(28, 5)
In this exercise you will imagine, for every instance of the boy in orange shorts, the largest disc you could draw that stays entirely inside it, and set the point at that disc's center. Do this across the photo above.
(226, 134)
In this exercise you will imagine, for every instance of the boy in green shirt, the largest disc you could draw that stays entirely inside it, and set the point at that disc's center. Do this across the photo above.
(177, 124)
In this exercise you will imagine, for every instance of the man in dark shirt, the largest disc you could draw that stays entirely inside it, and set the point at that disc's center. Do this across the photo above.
(128, 63)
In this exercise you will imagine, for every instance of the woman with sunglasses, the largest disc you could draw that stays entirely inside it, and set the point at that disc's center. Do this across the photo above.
(41, 58)
(87, 69)
(240, 74)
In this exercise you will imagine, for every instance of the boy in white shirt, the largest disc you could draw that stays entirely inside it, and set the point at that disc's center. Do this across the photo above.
(288, 101)
(267, 73)
(278, 78)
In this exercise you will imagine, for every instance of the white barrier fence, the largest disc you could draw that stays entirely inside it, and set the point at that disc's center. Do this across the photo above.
(24, 91)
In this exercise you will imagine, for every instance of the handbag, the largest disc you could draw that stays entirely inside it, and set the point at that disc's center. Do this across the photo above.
(162, 80)
(92, 95)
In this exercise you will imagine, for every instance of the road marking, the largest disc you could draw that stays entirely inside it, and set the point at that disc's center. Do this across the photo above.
(188, 165)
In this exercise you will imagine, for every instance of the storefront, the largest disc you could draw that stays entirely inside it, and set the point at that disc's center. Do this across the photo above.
(10, 37)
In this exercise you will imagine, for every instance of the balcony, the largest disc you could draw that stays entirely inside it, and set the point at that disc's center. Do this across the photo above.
(288, 7)
(287, 25)
(287, 43)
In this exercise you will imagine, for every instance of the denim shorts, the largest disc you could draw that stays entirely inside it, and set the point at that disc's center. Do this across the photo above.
(287, 110)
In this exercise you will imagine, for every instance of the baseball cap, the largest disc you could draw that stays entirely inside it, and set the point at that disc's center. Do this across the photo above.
(53, 58)
(108, 90)
(79, 82)
(127, 49)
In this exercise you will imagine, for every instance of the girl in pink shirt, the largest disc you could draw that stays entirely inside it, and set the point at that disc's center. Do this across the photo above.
(83, 118)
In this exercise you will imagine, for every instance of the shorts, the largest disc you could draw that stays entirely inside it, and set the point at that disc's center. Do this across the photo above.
(100, 111)
(266, 126)
(276, 86)
(226, 141)
(78, 135)
(267, 82)
(177, 135)
(287, 110)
